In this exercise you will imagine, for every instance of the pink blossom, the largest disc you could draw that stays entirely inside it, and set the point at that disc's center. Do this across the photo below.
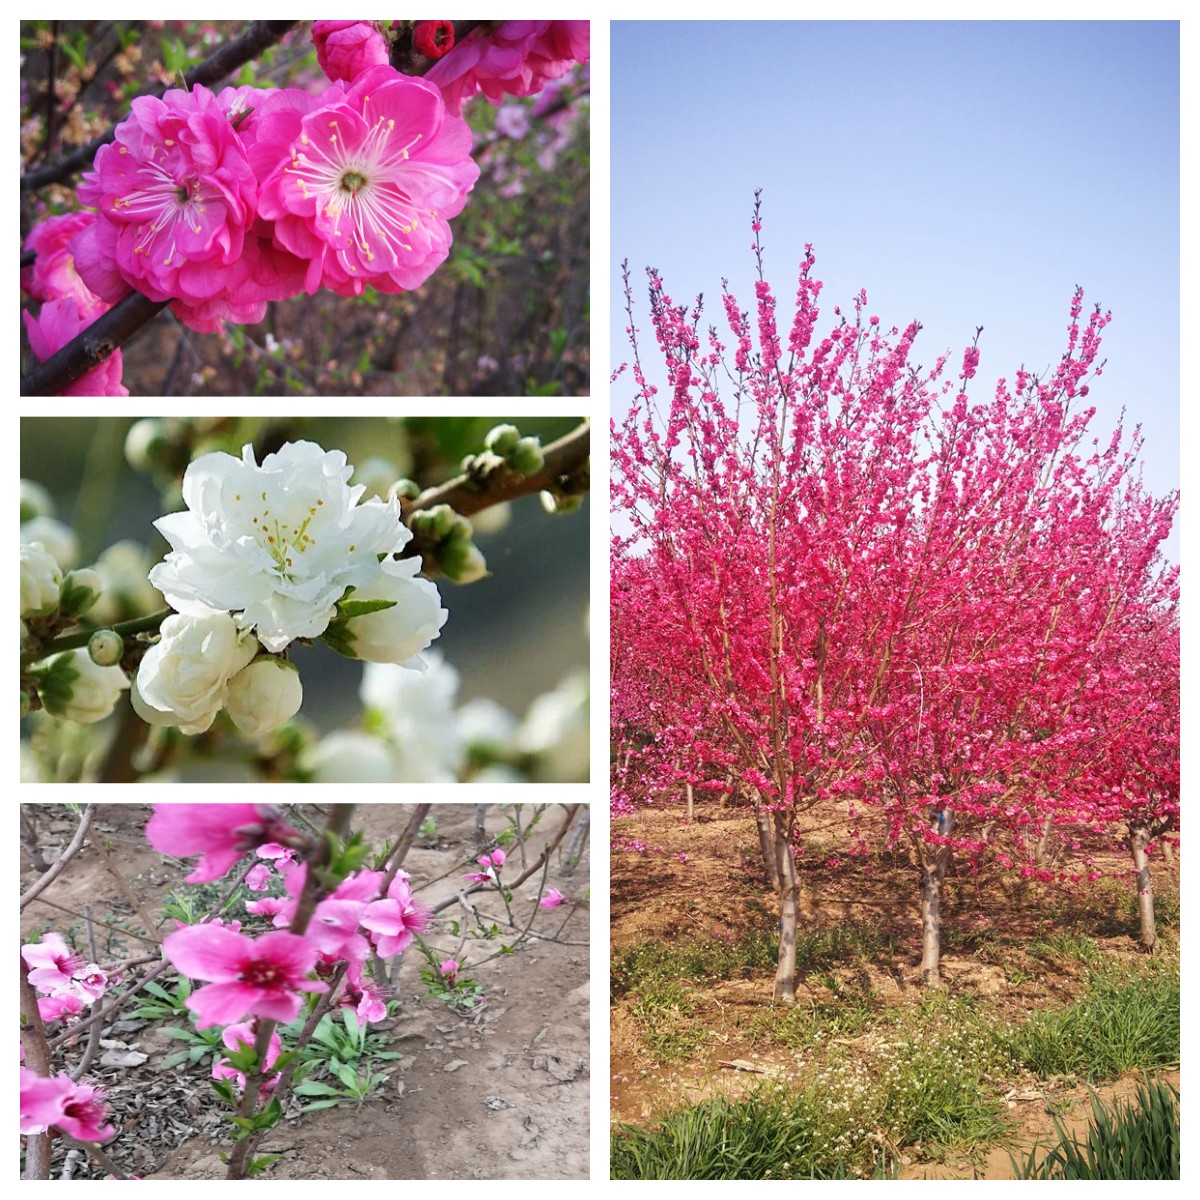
(449, 970)
(243, 1035)
(395, 922)
(345, 49)
(360, 180)
(221, 833)
(53, 275)
(268, 906)
(552, 899)
(498, 858)
(273, 850)
(260, 978)
(75, 1108)
(175, 197)
(59, 322)
(478, 877)
(362, 995)
(516, 58)
(258, 878)
(52, 963)
(61, 1004)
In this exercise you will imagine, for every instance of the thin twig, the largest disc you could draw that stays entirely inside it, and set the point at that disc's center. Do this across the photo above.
(51, 875)
(80, 1069)
(224, 61)
(405, 844)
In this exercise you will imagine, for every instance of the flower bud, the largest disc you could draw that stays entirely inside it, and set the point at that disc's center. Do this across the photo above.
(502, 439)
(461, 560)
(57, 539)
(183, 677)
(403, 489)
(41, 581)
(433, 38)
(146, 442)
(80, 590)
(35, 501)
(556, 502)
(106, 647)
(77, 689)
(264, 695)
(526, 456)
(348, 757)
(436, 522)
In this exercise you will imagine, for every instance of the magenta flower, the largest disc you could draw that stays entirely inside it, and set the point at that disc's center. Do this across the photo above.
(360, 180)
(345, 49)
(58, 323)
(221, 833)
(362, 995)
(517, 58)
(53, 275)
(241, 1036)
(175, 197)
(260, 978)
(75, 1108)
(268, 906)
(433, 38)
(396, 921)
(449, 970)
(498, 858)
(61, 1004)
(552, 899)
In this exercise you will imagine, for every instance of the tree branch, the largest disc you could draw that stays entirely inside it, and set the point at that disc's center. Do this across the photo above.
(259, 37)
(97, 343)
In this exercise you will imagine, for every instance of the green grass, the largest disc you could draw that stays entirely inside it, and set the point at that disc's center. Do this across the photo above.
(1123, 1141)
(762, 1137)
(1118, 1025)
(664, 1011)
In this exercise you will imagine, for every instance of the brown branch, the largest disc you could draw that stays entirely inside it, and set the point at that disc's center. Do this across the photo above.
(95, 345)
(72, 849)
(37, 1059)
(259, 37)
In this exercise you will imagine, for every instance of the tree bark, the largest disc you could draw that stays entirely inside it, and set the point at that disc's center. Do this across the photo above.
(1139, 836)
(1039, 851)
(690, 802)
(766, 843)
(934, 861)
(785, 971)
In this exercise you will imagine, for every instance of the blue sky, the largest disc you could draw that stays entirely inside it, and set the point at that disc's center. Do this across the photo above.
(963, 173)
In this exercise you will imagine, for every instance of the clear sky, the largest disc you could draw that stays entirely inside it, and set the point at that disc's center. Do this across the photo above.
(963, 173)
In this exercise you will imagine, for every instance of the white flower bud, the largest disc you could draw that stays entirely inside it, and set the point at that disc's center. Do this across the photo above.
(183, 678)
(348, 757)
(462, 560)
(80, 591)
(35, 501)
(502, 438)
(57, 539)
(106, 647)
(75, 688)
(397, 634)
(264, 695)
(41, 581)
(125, 590)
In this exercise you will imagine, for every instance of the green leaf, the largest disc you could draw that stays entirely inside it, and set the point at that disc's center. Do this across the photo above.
(317, 1089)
(350, 609)
(318, 1104)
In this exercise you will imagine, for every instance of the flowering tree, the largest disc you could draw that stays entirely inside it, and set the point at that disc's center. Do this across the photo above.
(220, 204)
(883, 595)
(273, 552)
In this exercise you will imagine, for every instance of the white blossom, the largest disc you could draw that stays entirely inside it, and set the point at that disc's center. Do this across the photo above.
(276, 544)
(264, 695)
(397, 634)
(57, 539)
(41, 580)
(184, 677)
(93, 689)
(418, 712)
(487, 726)
(555, 730)
(348, 757)
(125, 589)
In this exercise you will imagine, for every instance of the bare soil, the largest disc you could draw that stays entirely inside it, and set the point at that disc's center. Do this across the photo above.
(499, 1092)
(705, 880)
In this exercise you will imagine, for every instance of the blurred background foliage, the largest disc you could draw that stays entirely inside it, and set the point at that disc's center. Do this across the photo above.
(512, 636)
(507, 314)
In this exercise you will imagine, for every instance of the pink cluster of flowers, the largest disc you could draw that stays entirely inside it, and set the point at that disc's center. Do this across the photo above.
(75, 1108)
(65, 982)
(491, 864)
(266, 976)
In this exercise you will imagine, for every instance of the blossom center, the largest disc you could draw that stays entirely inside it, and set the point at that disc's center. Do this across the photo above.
(284, 540)
(352, 181)
(266, 975)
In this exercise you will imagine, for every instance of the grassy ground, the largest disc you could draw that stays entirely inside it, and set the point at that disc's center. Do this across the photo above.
(868, 1074)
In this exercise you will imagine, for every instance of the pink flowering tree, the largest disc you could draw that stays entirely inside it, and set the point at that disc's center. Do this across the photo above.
(887, 598)
(224, 203)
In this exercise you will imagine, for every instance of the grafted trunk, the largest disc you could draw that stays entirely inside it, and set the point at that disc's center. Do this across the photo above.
(785, 971)
(766, 843)
(1139, 837)
(934, 861)
(690, 803)
(1039, 851)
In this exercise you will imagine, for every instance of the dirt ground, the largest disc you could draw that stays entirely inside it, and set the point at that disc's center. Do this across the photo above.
(497, 1093)
(706, 881)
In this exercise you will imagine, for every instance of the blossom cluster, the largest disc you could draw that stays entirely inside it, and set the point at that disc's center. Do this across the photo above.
(65, 982)
(262, 556)
(222, 202)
